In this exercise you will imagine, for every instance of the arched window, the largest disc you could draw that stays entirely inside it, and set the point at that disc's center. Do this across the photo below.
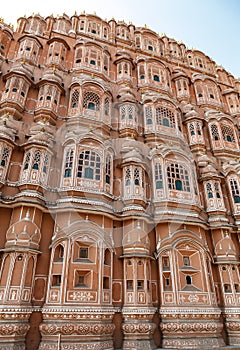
(128, 177)
(228, 133)
(75, 98)
(89, 165)
(235, 190)
(27, 161)
(214, 132)
(68, 163)
(209, 190)
(141, 71)
(36, 160)
(136, 177)
(108, 170)
(178, 177)
(45, 164)
(149, 115)
(91, 101)
(188, 279)
(191, 129)
(4, 156)
(59, 253)
(127, 115)
(158, 176)
(106, 106)
(78, 55)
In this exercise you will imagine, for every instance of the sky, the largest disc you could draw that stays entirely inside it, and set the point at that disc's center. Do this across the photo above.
(211, 26)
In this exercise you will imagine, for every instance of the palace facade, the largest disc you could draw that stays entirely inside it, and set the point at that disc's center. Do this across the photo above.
(120, 189)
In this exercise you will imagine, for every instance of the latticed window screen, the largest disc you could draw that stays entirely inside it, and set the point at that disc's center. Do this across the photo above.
(209, 190)
(128, 176)
(123, 112)
(89, 165)
(36, 160)
(68, 163)
(214, 132)
(148, 115)
(91, 100)
(131, 112)
(228, 134)
(27, 160)
(106, 106)
(4, 157)
(178, 178)
(199, 130)
(158, 176)
(75, 99)
(108, 170)
(137, 180)
(235, 190)
(217, 189)
(165, 117)
(45, 164)
(127, 112)
(191, 129)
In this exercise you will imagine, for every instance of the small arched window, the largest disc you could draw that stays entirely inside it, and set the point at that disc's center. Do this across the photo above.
(228, 133)
(68, 163)
(209, 190)
(4, 156)
(214, 132)
(188, 280)
(234, 186)
(158, 176)
(27, 160)
(75, 98)
(36, 160)
(108, 170)
(128, 177)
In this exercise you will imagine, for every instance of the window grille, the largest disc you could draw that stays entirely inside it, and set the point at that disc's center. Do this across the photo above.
(68, 163)
(165, 117)
(45, 164)
(128, 177)
(89, 165)
(91, 101)
(27, 160)
(209, 190)
(148, 115)
(178, 178)
(106, 106)
(214, 132)
(108, 170)
(158, 176)
(75, 99)
(228, 134)
(36, 160)
(137, 177)
(235, 190)
(5, 155)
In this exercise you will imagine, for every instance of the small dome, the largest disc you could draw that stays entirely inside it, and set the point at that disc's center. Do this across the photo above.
(23, 233)
(136, 242)
(225, 248)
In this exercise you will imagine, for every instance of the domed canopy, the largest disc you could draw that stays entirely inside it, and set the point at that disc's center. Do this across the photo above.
(23, 233)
